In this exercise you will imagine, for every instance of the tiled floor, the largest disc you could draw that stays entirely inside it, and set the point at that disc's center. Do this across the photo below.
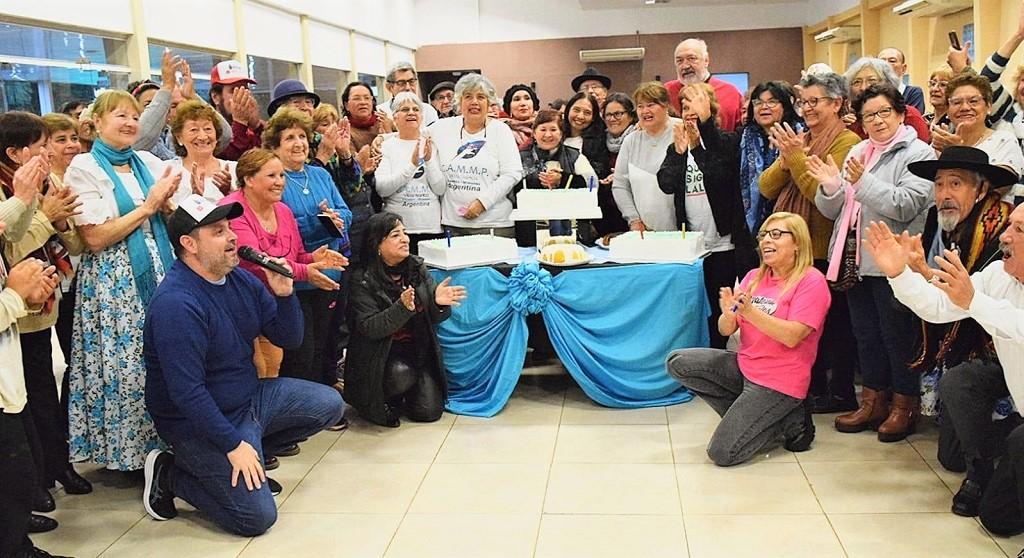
(556, 476)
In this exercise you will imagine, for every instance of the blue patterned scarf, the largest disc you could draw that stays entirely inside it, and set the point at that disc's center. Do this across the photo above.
(756, 154)
(138, 253)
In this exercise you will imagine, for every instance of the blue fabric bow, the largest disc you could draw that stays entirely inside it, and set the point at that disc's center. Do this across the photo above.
(529, 288)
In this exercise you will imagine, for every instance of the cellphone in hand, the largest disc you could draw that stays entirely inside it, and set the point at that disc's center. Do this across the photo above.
(954, 40)
(328, 224)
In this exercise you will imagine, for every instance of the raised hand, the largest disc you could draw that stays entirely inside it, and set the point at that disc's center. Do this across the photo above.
(161, 192)
(942, 139)
(188, 86)
(959, 59)
(826, 174)
(197, 179)
(680, 140)
(954, 279)
(889, 253)
(447, 295)
(32, 281)
(330, 212)
(854, 170)
(318, 279)
(789, 143)
(385, 125)
(698, 101)
(222, 179)
(30, 176)
(343, 144)
(58, 204)
(328, 140)
(915, 254)
(169, 64)
(330, 258)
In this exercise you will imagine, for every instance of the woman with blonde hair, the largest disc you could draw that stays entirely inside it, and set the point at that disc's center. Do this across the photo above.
(759, 390)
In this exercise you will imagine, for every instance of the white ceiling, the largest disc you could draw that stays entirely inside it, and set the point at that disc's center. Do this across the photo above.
(631, 4)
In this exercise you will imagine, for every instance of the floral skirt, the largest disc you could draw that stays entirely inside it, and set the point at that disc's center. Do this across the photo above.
(108, 422)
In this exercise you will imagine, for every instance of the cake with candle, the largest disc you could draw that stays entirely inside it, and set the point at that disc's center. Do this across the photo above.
(468, 251)
(564, 203)
(657, 247)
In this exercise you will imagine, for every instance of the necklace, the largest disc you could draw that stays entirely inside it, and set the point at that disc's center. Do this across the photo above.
(305, 183)
(463, 130)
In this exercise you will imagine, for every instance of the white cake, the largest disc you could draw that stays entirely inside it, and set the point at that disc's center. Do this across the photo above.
(657, 247)
(468, 251)
(563, 203)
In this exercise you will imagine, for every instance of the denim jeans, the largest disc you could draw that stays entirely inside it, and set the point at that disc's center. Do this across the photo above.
(284, 411)
(753, 417)
(884, 329)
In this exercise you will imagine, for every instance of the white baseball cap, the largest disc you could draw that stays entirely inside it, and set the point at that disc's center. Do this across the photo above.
(229, 72)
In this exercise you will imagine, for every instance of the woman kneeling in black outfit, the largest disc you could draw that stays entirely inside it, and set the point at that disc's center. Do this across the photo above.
(394, 358)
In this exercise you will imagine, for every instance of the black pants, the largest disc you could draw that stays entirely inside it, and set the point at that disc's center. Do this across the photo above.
(65, 328)
(410, 383)
(719, 271)
(18, 484)
(1002, 506)
(837, 349)
(969, 391)
(885, 332)
(307, 362)
(46, 412)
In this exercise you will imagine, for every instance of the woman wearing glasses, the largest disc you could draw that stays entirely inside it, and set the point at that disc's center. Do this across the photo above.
(770, 103)
(822, 99)
(937, 83)
(759, 390)
(619, 116)
(875, 186)
(970, 100)
(866, 72)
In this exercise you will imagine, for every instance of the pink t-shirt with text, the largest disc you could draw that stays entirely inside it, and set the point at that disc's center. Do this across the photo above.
(767, 362)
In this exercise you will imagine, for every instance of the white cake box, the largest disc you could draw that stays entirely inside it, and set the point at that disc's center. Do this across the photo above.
(657, 247)
(564, 203)
(468, 251)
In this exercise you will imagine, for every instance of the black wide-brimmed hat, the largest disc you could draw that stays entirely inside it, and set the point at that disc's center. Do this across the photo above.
(967, 158)
(589, 74)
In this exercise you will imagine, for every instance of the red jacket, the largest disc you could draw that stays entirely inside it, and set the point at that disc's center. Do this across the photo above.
(730, 101)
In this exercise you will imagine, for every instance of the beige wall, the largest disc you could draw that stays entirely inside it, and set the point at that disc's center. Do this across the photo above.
(553, 63)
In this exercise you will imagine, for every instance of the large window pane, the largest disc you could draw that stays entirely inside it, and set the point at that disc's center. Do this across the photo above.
(329, 83)
(41, 89)
(268, 72)
(69, 46)
(374, 82)
(202, 63)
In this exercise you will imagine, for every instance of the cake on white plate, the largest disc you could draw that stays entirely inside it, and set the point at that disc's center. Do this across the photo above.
(563, 203)
(657, 247)
(563, 251)
(468, 251)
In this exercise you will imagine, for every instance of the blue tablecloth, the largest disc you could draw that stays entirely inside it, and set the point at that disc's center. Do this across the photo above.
(612, 328)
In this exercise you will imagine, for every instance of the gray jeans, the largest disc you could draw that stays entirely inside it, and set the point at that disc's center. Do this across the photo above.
(753, 417)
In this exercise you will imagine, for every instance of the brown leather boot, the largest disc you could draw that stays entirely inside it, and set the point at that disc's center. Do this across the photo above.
(902, 419)
(874, 407)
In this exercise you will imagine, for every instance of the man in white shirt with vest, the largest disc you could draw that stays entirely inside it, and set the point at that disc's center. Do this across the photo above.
(993, 297)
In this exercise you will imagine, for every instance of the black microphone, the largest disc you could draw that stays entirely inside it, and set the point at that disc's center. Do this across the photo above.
(263, 260)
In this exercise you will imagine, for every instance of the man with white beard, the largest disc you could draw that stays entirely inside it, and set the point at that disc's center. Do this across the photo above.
(692, 61)
(962, 279)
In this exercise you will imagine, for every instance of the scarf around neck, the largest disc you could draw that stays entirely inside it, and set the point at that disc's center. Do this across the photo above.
(615, 143)
(363, 123)
(756, 154)
(143, 269)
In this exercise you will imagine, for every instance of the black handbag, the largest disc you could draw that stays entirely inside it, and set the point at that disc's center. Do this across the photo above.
(848, 268)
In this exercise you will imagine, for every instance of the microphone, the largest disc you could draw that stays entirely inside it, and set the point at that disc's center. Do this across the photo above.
(263, 260)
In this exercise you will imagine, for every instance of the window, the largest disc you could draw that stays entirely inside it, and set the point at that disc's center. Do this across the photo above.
(329, 83)
(374, 82)
(741, 80)
(41, 69)
(202, 64)
(268, 72)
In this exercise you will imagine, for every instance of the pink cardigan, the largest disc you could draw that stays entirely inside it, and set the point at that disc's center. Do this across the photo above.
(285, 243)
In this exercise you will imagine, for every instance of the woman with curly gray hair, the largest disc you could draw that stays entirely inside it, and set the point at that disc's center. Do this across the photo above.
(480, 162)
(866, 72)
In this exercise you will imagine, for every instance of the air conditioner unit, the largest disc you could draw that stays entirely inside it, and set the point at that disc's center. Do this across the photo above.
(931, 8)
(612, 54)
(849, 34)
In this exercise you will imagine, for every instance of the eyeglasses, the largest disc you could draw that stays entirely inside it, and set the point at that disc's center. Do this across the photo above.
(865, 82)
(974, 102)
(937, 83)
(880, 113)
(444, 96)
(615, 115)
(811, 101)
(775, 234)
(404, 82)
(770, 103)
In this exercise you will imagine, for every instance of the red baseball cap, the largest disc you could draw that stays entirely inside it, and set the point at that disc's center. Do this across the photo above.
(229, 72)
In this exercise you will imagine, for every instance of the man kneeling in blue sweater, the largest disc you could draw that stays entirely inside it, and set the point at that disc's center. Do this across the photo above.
(201, 384)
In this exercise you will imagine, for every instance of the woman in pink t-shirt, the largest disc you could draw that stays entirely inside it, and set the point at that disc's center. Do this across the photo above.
(759, 391)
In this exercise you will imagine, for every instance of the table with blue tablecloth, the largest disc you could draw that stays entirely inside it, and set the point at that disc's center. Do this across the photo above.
(611, 326)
